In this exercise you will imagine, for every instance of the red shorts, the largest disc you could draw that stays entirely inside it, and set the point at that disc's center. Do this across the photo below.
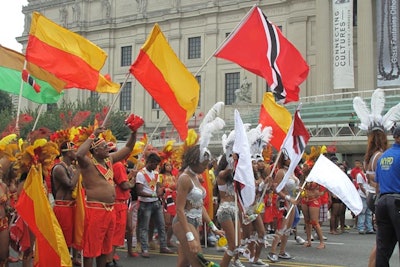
(65, 213)
(121, 212)
(313, 203)
(99, 229)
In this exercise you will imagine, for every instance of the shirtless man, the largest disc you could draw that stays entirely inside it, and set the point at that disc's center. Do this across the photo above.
(64, 177)
(98, 182)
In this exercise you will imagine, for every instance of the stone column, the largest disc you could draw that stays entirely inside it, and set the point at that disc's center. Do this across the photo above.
(323, 49)
(366, 55)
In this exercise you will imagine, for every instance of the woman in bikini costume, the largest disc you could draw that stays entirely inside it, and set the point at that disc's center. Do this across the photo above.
(227, 210)
(286, 198)
(377, 144)
(310, 207)
(190, 211)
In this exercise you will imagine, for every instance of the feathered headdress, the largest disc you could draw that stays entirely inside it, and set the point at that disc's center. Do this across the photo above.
(373, 120)
(208, 126)
(258, 138)
(229, 140)
(40, 152)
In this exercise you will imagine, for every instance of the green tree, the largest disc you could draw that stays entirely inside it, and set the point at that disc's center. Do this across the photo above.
(5, 102)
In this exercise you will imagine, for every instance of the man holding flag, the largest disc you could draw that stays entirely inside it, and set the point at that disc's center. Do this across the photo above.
(98, 179)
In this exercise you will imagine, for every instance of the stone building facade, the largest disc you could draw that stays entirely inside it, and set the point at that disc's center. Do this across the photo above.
(195, 29)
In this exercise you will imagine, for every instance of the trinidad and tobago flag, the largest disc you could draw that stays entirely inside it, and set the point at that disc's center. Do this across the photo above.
(259, 46)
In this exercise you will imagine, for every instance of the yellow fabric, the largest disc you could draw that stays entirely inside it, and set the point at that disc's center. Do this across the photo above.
(183, 84)
(56, 36)
(46, 221)
(106, 86)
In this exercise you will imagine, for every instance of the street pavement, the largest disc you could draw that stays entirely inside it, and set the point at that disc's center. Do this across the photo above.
(349, 249)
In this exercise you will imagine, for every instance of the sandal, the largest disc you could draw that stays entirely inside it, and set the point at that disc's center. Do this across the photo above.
(307, 244)
(321, 246)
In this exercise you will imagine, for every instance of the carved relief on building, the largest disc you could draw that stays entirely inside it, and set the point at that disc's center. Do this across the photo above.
(142, 8)
(64, 16)
(243, 94)
(76, 12)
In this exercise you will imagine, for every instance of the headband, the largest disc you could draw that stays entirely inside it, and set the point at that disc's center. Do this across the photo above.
(97, 142)
(69, 147)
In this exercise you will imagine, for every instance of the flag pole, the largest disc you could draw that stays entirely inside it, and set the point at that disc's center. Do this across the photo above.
(19, 102)
(223, 42)
(297, 197)
(37, 118)
(115, 100)
(270, 175)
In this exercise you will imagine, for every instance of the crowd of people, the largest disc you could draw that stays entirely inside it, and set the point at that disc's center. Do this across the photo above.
(166, 199)
(160, 199)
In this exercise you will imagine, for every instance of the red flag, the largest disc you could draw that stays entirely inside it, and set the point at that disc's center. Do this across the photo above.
(294, 146)
(260, 47)
(29, 79)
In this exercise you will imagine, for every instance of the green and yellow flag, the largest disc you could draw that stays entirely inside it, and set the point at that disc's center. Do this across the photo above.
(11, 66)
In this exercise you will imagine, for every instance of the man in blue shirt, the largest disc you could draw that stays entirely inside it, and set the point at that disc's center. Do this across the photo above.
(388, 206)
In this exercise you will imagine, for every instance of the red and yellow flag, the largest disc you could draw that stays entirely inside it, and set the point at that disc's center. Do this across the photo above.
(67, 55)
(34, 208)
(167, 80)
(276, 116)
(79, 216)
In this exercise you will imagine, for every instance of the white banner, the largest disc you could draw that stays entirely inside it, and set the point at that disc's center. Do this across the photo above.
(343, 66)
(387, 46)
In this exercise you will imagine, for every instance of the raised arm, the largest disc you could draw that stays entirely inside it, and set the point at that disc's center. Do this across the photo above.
(84, 148)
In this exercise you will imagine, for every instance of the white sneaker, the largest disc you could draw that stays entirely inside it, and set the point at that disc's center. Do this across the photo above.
(237, 263)
(260, 263)
(317, 238)
(300, 240)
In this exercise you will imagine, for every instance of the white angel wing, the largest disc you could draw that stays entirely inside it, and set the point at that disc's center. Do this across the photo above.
(211, 115)
(392, 116)
(210, 124)
(377, 104)
(362, 112)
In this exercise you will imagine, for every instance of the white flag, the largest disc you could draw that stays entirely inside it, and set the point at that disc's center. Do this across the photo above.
(244, 169)
(293, 146)
(329, 175)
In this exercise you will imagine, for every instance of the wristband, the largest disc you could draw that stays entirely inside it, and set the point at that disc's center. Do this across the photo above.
(92, 136)
(212, 226)
(288, 198)
(189, 236)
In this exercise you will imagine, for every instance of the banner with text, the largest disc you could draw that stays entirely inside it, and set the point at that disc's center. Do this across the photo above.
(343, 66)
(388, 54)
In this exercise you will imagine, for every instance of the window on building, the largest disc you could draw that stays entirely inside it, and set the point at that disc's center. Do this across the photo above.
(94, 95)
(51, 107)
(155, 105)
(126, 97)
(198, 78)
(194, 47)
(126, 56)
(232, 83)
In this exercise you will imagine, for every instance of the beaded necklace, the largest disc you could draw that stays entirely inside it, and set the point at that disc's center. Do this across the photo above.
(107, 172)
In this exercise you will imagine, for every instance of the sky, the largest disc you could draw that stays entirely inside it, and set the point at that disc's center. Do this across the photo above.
(12, 21)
